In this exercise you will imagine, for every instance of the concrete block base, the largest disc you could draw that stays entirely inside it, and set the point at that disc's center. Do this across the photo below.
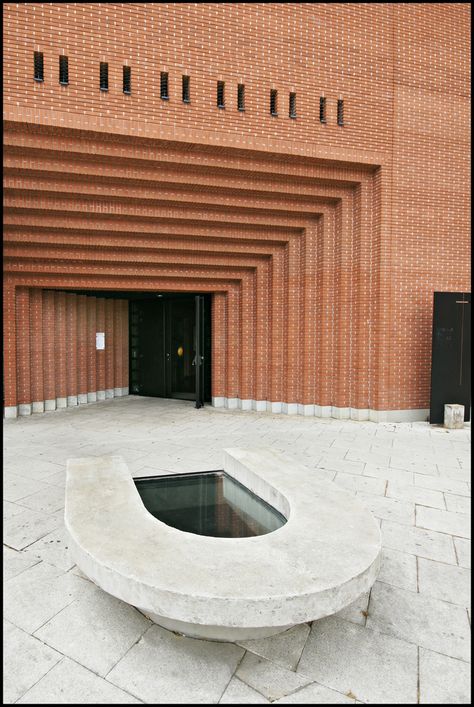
(101, 395)
(323, 411)
(213, 633)
(454, 416)
(306, 410)
(39, 406)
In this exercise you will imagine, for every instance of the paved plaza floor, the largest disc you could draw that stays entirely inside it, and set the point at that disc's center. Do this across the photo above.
(67, 641)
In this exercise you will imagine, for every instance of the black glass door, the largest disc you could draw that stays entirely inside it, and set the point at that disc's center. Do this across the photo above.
(181, 348)
(170, 347)
(147, 348)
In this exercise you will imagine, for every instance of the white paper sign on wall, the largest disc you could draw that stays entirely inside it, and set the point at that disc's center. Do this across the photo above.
(100, 340)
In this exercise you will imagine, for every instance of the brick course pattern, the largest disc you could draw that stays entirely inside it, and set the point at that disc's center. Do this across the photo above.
(57, 362)
(322, 244)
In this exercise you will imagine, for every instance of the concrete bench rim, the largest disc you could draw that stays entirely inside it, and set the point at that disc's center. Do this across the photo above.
(268, 580)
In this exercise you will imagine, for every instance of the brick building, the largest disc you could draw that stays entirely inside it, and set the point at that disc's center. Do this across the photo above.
(295, 176)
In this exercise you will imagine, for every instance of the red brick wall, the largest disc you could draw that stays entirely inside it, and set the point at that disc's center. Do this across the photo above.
(323, 244)
(50, 322)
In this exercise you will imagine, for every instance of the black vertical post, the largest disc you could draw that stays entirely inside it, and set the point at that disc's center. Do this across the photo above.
(451, 354)
(199, 345)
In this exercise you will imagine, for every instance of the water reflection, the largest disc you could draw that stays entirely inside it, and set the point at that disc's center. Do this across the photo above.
(208, 503)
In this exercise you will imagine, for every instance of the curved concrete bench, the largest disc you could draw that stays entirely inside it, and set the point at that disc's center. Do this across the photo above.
(324, 557)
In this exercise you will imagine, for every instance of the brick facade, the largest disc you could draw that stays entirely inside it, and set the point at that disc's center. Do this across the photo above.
(321, 243)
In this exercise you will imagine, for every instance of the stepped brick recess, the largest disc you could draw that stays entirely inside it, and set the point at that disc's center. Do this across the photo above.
(322, 244)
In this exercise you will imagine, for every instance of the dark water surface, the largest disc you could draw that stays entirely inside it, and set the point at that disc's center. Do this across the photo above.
(208, 503)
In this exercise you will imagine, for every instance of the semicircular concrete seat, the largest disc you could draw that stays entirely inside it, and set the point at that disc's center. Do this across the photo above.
(324, 557)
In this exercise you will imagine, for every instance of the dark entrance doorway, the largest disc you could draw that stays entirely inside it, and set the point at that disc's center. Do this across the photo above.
(170, 347)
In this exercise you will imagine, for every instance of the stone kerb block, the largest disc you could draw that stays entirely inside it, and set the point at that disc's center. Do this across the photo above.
(454, 416)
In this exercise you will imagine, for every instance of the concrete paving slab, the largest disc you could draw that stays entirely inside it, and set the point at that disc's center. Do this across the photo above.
(16, 487)
(443, 521)
(48, 500)
(238, 693)
(32, 468)
(25, 661)
(446, 582)
(269, 679)
(454, 472)
(389, 508)
(442, 484)
(96, 630)
(28, 527)
(348, 658)
(15, 562)
(388, 473)
(343, 465)
(315, 694)
(418, 541)
(37, 447)
(361, 454)
(419, 619)
(457, 504)
(38, 593)
(153, 670)
(68, 683)
(419, 465)
(463, 551)
(53, 548)
(398, 569)
(58, 479)
(10, 510)
(284, 649)
(415, 494)
(444, 680)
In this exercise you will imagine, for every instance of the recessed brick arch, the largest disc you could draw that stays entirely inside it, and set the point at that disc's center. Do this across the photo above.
(289, 248)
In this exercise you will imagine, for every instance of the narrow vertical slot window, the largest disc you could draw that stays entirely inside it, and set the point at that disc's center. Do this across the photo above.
(273, 102)
(164, 86)
(220, 94)
(63, 70)
(38, 66)
(322, 110)
(104, 76)
(241, 97)
(340, 112)
(127, 79)
(292, 106)
(186, 89)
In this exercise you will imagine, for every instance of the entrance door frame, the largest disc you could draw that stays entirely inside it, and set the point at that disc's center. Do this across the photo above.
(202, 345)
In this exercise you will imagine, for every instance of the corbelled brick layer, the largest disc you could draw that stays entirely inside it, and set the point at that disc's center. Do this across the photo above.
(322, 243)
